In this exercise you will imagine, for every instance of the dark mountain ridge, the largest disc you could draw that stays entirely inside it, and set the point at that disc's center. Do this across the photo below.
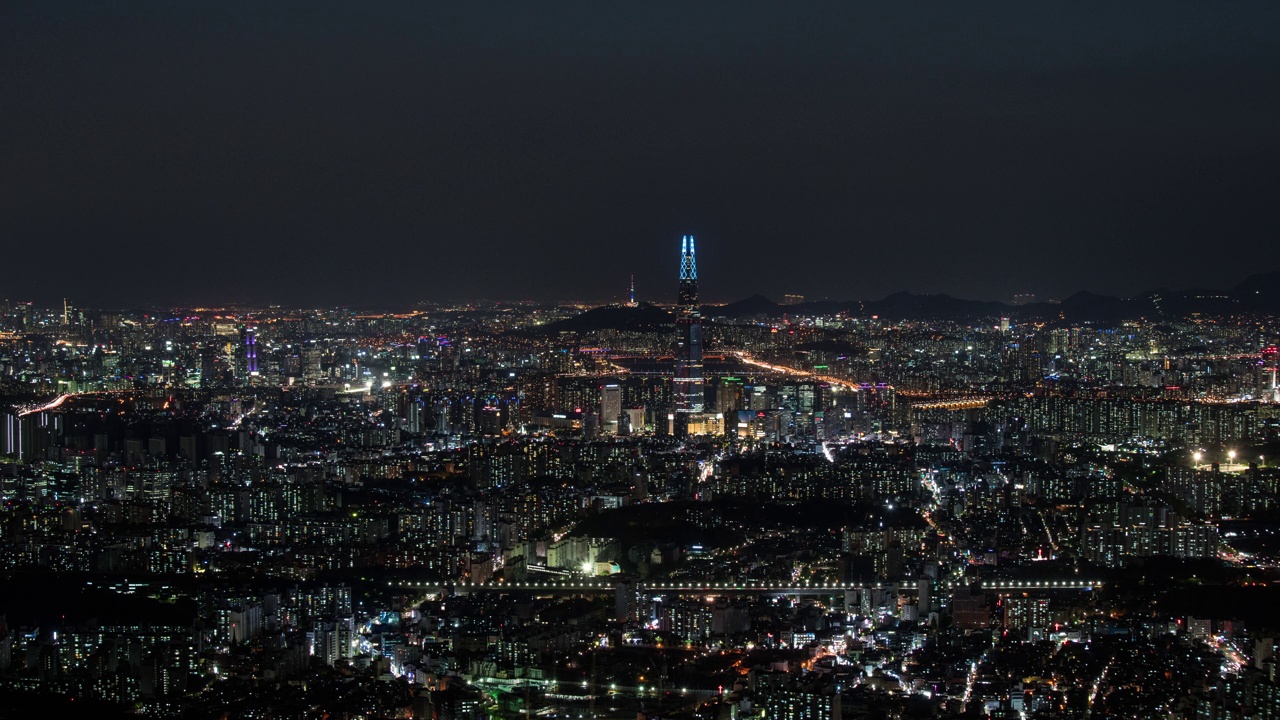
(1258, 294)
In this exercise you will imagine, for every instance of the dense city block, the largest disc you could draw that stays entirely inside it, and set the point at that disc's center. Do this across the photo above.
(517, 510)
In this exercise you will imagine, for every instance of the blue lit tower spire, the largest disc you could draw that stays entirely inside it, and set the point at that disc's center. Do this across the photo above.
(688, 263)
(688, 272)
(688, 372)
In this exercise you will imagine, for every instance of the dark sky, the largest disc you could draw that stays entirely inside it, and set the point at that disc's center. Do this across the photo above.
(385, 152)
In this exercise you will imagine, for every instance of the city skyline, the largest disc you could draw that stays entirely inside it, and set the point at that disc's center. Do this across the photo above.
(625, 292)
(834, 510)
(627, 295)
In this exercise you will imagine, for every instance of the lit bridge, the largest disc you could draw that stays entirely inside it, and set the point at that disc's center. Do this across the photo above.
(967, 403)
(1073, 584)
(57, 402)
(694, 587)
(580, 586)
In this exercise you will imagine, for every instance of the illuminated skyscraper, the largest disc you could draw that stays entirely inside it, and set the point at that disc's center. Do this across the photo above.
(251, 351)
(610, 408)
(688, 377)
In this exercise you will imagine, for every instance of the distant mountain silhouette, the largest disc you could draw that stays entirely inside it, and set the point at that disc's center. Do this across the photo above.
(906, 306)
(747, 307)
(1258, 294)
(641, 318)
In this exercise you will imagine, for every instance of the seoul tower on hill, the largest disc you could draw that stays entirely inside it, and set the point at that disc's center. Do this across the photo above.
(688, 376)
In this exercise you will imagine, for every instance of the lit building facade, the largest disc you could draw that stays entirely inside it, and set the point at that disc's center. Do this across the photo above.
(688, 374)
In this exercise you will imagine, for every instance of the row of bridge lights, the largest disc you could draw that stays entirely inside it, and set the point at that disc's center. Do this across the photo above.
(1048, 583)
(733, 586)
(656, 586)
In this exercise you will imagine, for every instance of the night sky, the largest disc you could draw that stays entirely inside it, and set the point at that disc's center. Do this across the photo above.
(382, 153)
